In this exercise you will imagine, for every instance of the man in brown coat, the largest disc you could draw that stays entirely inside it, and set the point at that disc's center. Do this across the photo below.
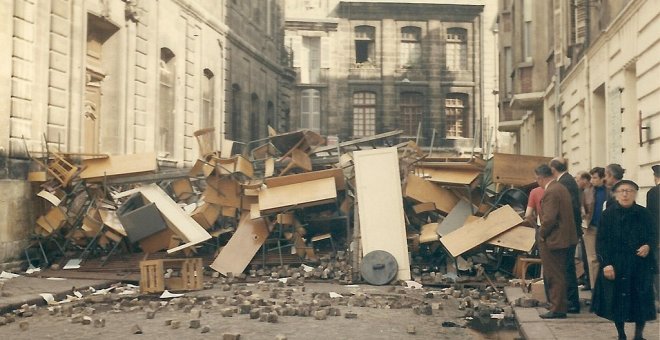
(556, 235)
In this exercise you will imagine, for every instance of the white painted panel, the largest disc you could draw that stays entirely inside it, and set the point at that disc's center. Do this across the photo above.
(380, 205)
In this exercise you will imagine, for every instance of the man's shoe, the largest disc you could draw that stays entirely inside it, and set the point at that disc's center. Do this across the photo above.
(574, 310)
(553, 315)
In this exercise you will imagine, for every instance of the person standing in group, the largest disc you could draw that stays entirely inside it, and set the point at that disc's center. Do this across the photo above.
(583, 179)
(556, 235)
(613, 174)
(560, 173)
(600, 194)
(653, 206)
(624, 287)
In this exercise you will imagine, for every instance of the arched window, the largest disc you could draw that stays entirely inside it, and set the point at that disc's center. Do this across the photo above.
(207, 117)
(456, 49)
(411, 105)
(365, 44)
(166, 100)
(364, 114)
(456, 115)
(410, 53)
(310, 111)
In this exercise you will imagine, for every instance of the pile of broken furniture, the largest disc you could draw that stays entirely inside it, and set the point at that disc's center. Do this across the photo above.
(282, 199)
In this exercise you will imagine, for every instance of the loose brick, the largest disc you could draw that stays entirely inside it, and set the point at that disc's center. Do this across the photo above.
(194, 324)
(136, 329)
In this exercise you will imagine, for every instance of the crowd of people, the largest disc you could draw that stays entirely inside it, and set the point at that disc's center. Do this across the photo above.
(595, 213)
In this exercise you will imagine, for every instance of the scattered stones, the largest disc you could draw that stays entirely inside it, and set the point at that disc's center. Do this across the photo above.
(280, 337)
(194, 324)
(168, 322)
(255, 313)
(187, 308)
(205, 329)
(227, 312)
(24, 325)
(320, 315)
(87, 320)
(410, 329)
(231, 336)
(99, 323)
(350, 315)
(136, 329)
(77, 318)
(272, 317)
(151, 314)
(175, 324)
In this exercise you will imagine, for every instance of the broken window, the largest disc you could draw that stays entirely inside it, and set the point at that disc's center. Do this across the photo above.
(455, 113)
(411, 47)
(166, 107)
(456, 49)
(364, 114)
(364, 44)
(207, 99)
(411, 112)
(310, 112)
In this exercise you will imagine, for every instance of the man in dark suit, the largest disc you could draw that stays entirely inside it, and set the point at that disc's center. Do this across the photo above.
(555, 237)
(653, 205)
(560, 173)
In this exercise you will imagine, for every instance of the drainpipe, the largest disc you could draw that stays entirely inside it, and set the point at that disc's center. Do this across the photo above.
(557, 116)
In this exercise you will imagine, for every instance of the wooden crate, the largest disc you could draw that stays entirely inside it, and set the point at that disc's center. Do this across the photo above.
(187, 275)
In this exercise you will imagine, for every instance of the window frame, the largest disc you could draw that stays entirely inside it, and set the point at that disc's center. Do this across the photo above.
(456, 110)
(411, 106)
(364, 34)
(410, 52)
(364, 106)
(313, 98)
(456, 53)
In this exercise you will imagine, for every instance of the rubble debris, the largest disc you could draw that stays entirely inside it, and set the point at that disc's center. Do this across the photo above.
(136, 329)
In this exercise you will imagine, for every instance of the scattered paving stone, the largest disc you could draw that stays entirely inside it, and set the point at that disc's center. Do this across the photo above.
(194, 324)
(168, 322)
(24, 325)
(411, 329)
(273, 317)
(87, 320)
(175, 324)
(320, 315)
(333, 311)
(280, 337)
(263, 317)
(350, 315)
(227, 312)
(136, 329)
(76, 318)
(151, 314)
(99, 323)
(205, 329)
(187, 308)
(231, 336)
(255, 313)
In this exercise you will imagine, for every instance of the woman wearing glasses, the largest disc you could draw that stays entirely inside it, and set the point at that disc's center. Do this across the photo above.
(624, 287)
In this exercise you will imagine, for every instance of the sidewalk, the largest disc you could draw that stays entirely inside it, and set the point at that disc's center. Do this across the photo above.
(21, 290)
(585, 326)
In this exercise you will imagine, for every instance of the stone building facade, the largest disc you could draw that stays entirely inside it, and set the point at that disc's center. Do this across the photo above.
(129, 76)
(367, 67)
(596, 99)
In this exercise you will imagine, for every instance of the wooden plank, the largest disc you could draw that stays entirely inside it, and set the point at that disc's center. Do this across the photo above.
(310, 192)
(473, 234)
(250, 235)
(456, 218)
(424, 191)
(449, 176)
(380, 207)
(185, 226)
(516, 169)
(308, 176)
(116, 165)
(424, 207)
(428, 233)
(519, 238)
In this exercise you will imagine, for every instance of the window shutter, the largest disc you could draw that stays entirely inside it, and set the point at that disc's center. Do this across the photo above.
(580, 21)
(325, 52)
(296, 46)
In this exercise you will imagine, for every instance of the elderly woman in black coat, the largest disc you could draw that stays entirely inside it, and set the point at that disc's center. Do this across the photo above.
(624, 287)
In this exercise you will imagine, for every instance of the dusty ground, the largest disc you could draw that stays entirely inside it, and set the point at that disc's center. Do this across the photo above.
(373, 321)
